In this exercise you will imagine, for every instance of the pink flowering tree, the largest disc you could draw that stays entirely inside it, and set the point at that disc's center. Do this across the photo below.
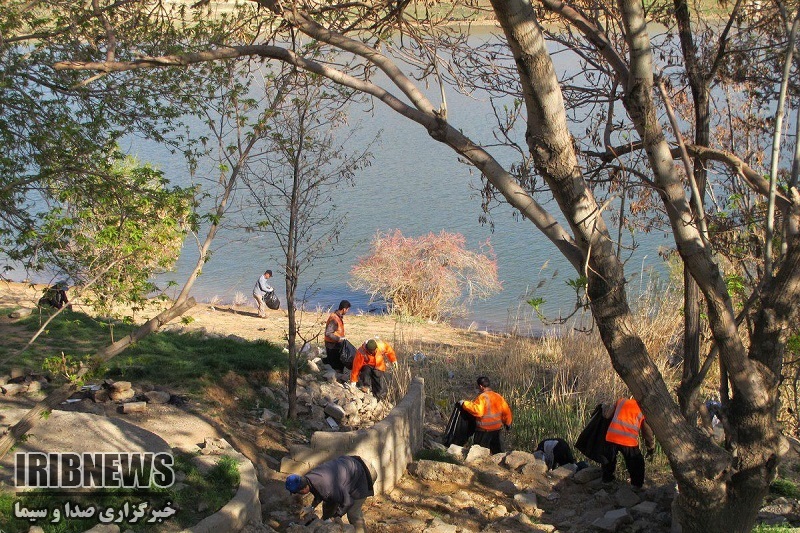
(431, 276)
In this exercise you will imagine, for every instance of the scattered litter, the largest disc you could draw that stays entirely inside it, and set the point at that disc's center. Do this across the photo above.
(72, 400)
(418, 357)
(332, 423)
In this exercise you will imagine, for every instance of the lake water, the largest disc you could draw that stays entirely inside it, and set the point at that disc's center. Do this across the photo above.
(416, 185)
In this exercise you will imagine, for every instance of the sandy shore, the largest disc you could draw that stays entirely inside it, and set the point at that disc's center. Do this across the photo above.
(243, 321)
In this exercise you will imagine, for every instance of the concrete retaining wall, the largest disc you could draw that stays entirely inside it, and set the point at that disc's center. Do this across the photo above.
(389, 445)
(244, 508)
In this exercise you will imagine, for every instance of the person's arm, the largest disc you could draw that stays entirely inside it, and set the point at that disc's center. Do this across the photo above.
(649, 438)
(390, 354)
(507, 416)
(263, 286)
(475, 408)
(330, 331)
(358, 362)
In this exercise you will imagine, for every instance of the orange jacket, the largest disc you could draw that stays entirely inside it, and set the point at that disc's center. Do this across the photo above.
(377, 360)
(626, 423)
(338, 331)
(490, 410)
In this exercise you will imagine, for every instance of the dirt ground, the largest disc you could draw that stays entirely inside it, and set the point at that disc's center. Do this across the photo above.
(265, 446)
(243, 321)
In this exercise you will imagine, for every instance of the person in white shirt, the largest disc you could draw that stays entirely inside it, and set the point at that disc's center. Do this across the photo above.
(261, 289)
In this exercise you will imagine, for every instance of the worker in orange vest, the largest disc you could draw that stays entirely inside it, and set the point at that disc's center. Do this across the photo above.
(369, 366)
(623, 437)
(491, 413)
(334, 337)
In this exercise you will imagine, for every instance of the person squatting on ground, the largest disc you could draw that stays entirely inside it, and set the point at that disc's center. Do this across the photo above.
(334, 337)
(554, 452)
(369, 366)
(261, 289)
(491, 413)
(623, 437)
(341, 484)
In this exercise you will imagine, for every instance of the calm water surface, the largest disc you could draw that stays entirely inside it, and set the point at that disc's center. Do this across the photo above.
(416, 185)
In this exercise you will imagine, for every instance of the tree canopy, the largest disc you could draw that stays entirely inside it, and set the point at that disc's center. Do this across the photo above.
(626, 143)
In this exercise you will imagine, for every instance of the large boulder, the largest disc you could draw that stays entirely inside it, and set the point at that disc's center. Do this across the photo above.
(441, 472)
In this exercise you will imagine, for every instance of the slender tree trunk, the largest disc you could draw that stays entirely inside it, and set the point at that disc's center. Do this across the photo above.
(55, 398)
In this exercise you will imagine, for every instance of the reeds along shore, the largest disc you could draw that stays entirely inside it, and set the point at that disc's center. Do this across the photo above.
(551, 382)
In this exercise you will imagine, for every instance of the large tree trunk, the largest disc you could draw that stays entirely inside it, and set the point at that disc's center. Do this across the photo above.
(712, 490)
(717, 487)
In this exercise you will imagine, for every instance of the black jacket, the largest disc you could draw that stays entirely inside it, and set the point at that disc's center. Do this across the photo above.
(340, 482)
(592, 440)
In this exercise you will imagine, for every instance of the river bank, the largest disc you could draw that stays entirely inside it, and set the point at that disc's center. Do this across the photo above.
(243, 321)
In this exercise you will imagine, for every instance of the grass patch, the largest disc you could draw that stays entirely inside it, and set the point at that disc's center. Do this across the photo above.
(784, 487)
(189, 360)
(194, 497)
(73, 333)
(540, 420)
(193, 360)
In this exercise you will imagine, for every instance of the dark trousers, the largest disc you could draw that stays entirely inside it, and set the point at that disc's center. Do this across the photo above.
(372, 378)
(488, 439)
(634, 462)
(333, 356)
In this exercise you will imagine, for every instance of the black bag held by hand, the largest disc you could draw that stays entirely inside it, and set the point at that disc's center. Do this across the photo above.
(272, 301)
(592, 440)
(348, 354)
(460, 427)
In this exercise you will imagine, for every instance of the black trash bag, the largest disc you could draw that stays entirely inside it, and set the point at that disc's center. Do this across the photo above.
(460, 427)
(272, 301)
(592, 440)
(348, 354)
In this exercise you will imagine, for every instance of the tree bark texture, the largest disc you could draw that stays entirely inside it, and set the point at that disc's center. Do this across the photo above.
(719, 490)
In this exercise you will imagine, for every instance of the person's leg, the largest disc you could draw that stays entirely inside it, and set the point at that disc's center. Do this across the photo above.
(496, 444)
(634, 462)
(365, 377)
(482, 438)
(356, 517)
(259, 304)
(609, 467)
(333, 358)
(477, 438)
(378, 385)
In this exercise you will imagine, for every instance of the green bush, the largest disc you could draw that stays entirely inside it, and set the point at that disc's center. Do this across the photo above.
(784, 487)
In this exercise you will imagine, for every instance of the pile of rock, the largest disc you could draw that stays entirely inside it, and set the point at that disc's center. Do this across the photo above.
(20, 381)
(123, 393)
(326, 401)
(518, 490)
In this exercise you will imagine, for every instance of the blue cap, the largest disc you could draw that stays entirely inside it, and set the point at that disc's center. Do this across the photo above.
(294, 483)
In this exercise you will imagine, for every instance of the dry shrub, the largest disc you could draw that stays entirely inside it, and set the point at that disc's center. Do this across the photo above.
(430, 276)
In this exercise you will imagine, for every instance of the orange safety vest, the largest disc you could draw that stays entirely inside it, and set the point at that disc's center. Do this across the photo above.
(625, 425)
(377, 360)
(490, 411)
(339, 327)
